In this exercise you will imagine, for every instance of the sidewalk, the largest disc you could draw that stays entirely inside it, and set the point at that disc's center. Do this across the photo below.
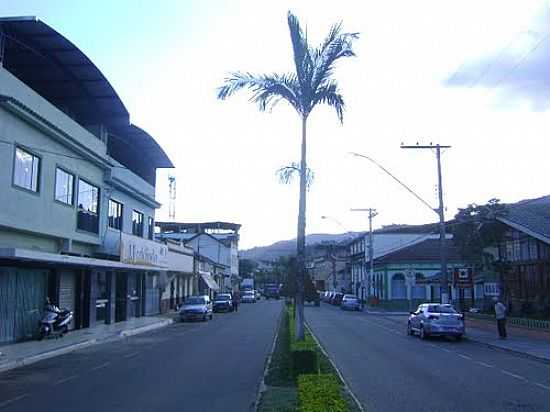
(530, 342)
(20, 354)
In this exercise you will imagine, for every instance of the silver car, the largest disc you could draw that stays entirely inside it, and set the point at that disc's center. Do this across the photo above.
(350, 302)
(435, 319)
(248, 296)
(196, 307)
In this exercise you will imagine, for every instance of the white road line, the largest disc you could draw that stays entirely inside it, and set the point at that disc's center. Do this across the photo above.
(464, 356)
(484, 364)
(543, 386)
(10, 401)
(513, 375)
(103, 365)
(131, 355)
(446, 350)
(68, 378)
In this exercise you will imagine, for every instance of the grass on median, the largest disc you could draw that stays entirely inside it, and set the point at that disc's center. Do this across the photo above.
(286, 392)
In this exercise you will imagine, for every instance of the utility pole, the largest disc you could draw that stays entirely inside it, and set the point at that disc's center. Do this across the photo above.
(441, 212)
(372, 213)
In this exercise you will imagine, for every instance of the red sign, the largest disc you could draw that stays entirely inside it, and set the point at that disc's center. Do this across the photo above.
(463, 278)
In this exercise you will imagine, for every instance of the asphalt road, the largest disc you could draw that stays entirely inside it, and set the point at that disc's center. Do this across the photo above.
(390, 371)
(199, 366)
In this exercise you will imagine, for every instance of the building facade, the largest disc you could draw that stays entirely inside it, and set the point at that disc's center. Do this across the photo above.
(78, 189)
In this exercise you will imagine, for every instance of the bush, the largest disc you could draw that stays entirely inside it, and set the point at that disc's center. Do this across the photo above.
(304, 361)
(320, 393)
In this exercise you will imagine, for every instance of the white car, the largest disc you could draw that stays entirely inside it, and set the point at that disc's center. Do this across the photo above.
(435, 319)
(248, 296)
(196, 307)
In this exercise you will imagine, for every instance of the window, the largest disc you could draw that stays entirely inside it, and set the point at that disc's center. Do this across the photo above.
(137, 223)
(150, 228)
(64, 186)
(26, 170)
(88, 207)
(115, 214)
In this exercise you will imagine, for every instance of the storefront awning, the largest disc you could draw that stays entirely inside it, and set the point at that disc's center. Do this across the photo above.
(209, 280)
(54, 258)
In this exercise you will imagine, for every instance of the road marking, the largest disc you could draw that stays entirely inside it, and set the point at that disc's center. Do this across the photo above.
(464, 356)
(103, 365)
(10, 401)
(131, 355)
(513, 375)
(543, 386)
(484, 364)
(68, 378)
(446, 350)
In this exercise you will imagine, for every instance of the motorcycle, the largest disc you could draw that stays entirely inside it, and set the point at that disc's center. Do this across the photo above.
(54, 322)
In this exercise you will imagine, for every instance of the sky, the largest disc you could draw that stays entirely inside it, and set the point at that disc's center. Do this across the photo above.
(468, 74)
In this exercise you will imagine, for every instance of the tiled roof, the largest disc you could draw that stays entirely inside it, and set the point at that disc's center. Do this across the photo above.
(425, 251)
(533, 215)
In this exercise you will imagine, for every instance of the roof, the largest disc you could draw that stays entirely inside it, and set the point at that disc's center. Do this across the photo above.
(424, 251)
(177, 226)
(60, 72)
(530, 216)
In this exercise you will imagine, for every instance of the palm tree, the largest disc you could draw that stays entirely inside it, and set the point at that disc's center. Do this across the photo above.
(311, 84)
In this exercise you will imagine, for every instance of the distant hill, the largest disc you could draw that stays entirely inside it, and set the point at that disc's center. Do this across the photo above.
(288, 247)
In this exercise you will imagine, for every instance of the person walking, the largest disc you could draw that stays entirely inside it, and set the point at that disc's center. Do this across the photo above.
(236, 299)
(500, 314)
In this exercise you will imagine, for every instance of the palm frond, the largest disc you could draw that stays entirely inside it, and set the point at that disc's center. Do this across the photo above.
(267, 90)
(286, 174)
(303, 59)
(330, 95)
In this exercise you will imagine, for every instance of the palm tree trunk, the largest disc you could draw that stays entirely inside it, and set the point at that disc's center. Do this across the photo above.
(301, 240)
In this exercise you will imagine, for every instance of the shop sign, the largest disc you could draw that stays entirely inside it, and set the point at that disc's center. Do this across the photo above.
(138, 251)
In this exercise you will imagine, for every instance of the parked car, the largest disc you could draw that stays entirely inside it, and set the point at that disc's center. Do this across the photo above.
(196, 307)
(336, 299)
(351, 302)
(328, 295)
(223, 303)
(248, 296)
(434, 319)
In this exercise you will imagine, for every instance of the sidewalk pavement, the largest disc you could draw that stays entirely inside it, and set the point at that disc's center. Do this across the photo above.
(21, 354)
(529, 342)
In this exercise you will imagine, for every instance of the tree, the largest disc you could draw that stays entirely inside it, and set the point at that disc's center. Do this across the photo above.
(247, 267)
(311, 83)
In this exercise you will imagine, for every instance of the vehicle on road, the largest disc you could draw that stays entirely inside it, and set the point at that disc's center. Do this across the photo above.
(196, 307)
(248, 296)
(434, 319)
(272, 291)
(223, 302)
(258, 294)
(55, 321)
(336, 298)
(351, 302)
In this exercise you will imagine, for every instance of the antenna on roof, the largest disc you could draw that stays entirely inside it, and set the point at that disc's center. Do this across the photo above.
(172, 201)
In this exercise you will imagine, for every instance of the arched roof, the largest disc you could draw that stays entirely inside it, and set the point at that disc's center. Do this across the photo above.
(60, 72)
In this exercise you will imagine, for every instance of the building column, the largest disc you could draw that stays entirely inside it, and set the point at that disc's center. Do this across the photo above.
(92, 309)
(111, 297)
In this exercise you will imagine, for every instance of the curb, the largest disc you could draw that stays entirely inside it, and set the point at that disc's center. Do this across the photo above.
(20, 362)
(508, 350)
(346, 386)
(262, 385)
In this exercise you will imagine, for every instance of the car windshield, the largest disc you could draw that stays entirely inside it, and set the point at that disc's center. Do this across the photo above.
(441, 309)
(351, 300)
(222, 297)
(249, 293)
(194, 300)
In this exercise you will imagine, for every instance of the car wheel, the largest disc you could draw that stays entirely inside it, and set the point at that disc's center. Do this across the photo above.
(211, 316)
(410, 332)
(423, 334)
(458, 338)
(204, 318)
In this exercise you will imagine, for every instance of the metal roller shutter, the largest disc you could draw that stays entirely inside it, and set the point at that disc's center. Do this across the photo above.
(67, 292)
